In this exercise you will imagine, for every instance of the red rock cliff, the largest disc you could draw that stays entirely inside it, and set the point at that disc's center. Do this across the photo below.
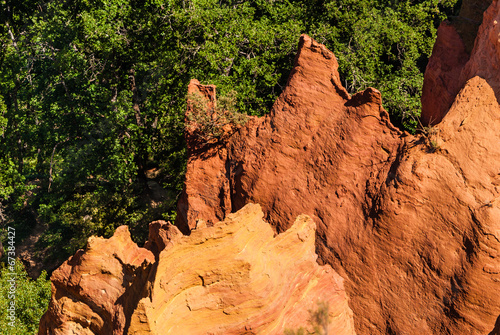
(458, 56)
(411, 223)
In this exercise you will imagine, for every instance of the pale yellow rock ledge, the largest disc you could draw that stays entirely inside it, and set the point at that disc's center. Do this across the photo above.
(237, 277)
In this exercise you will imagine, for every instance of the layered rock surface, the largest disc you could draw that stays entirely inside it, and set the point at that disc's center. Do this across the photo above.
(231, 277)
(235, 277)
(411, 223)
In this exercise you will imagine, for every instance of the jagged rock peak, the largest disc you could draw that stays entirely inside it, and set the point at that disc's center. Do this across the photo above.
(410, 223)
(312, 109)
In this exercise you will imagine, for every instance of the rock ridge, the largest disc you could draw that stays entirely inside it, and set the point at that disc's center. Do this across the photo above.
(408, 221)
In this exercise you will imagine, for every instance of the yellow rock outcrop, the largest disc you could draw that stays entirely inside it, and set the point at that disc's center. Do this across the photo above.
(232, 277)
(236, 277)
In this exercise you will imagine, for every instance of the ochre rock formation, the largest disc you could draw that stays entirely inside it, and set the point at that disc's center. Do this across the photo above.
(235, 277)
(313, 121)
(442, 75)
(459, 56)
(95, 290)
(485, 57)
(411, 223)
(230, 277)
(469, 19)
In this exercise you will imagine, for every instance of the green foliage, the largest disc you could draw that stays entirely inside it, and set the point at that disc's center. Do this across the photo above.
(3, 119)
(9, 178)
(245, 46)
(31, 299)
(384, 44)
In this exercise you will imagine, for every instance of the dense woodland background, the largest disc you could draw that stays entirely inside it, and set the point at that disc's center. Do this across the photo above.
(93, 93)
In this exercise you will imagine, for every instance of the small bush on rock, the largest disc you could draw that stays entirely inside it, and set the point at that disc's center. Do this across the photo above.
(319, 321)
(212, 121)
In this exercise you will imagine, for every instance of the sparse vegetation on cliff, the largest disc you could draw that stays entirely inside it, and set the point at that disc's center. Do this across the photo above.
(211, 122)
(319, 321)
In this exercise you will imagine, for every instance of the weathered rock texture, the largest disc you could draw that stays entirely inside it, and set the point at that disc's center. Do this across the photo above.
(235, 277)
(459, 56)
(232, 277)
(442, 75)
(95, 291)
(469, 19)
(411, 223)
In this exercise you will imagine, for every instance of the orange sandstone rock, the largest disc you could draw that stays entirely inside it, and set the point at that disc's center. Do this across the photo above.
(485, 57)
(450, 65)
(410, 222)
(95, 290)
(442, 75)
(311, 123)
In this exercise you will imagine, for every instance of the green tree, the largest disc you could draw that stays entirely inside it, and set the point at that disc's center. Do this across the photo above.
(383, 44)
(22, 300)
(95, 97)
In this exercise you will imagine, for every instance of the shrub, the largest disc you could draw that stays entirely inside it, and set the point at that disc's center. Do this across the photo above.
(212, 121)
(31, 300)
